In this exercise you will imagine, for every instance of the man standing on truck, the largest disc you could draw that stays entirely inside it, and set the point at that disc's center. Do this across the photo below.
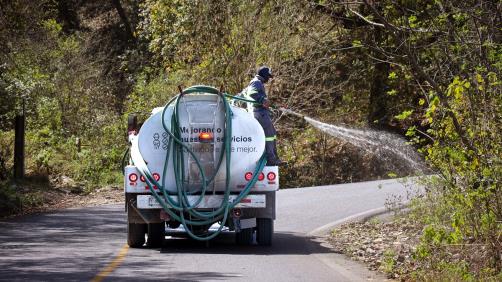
(256, 91)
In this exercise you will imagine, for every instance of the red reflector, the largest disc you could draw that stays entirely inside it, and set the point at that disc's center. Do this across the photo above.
(133, 177)
(142, 178)
(248, 176)
(261, 176)
(205, 137)
(271, 176)
(156, 176)
(237, 213)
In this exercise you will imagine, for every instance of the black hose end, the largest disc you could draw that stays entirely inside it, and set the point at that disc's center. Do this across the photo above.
(180, 88)
(221, 92)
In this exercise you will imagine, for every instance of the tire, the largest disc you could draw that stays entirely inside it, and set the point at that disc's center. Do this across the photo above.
(136, 234)
(173, 224)
(244, 237)
(156, 234)
(264, 231)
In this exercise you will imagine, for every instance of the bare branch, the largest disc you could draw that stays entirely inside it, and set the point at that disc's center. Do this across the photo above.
(365, 19)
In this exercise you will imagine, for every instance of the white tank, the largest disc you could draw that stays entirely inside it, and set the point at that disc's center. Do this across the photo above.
(203, 113)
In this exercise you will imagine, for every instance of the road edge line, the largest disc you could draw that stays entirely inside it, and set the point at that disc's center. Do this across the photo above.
(362, 216)
(356, 217)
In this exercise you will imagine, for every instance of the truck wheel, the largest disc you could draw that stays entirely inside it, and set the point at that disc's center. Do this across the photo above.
(136, 234)
(244, 237)
(173, 224)
(156, 234)
(264, 231)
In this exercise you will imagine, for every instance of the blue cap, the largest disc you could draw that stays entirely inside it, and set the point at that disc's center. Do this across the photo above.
(265, 72)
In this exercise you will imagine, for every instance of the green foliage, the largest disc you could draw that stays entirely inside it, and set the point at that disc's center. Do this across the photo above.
(459, 132)
(10, 201)
(154, 92)
(437, 65)
(404, 115)
(388, 262)
(6, 153)
(392, 175)
(64, 98)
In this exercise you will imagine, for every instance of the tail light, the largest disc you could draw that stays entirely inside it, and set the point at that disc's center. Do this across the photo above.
(133, 177)
(261, 176)
(271, 176)
(237, 213)
(248, 176)
(156, 176)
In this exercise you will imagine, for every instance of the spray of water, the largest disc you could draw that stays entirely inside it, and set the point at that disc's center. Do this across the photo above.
(387, 146)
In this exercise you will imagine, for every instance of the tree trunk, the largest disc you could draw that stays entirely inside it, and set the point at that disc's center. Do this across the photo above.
(68, 15)
(377, 110)
(124, 19)
(19, 147)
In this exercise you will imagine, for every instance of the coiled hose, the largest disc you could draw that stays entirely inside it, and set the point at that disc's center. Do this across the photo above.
(180, 209)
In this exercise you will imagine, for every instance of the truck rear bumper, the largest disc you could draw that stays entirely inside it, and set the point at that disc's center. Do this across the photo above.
(144, 208)
(208, 202)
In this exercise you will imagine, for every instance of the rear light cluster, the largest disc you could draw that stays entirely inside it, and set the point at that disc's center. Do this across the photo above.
(237, 213)
(133, 177)
(271, 176)
(248, 176)
(156, 176)
(261, 176)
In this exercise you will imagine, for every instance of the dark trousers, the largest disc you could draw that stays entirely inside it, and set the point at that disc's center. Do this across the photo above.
(264, 119)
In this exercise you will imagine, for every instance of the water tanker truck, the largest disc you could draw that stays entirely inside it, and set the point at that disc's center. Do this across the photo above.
(198, 165)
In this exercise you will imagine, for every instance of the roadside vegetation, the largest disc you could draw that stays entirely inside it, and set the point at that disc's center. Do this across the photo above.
(427, 70)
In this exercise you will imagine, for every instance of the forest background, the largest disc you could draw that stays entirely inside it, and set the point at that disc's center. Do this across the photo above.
(426, 70)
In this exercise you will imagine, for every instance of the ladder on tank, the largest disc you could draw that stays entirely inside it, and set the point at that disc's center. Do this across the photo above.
(205, 151)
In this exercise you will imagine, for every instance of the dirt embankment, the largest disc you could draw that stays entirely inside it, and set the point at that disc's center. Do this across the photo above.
(39, 194)
(384, 245)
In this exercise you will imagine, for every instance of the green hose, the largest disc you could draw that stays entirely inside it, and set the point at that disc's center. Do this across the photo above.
(123, 163)
(181, 208)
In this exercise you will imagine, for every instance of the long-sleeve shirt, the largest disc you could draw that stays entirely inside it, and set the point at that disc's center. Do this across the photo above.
(256, 91)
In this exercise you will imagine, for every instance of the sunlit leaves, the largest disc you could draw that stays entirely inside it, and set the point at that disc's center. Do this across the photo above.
(392, 92)
(404, 115)
(357, 43)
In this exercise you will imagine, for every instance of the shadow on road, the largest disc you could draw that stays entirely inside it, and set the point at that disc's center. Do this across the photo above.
(66, 246)
(284, 243)
(182, 249)
(76, 244)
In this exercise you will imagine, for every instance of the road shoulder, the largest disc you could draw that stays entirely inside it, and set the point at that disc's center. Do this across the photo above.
(351, 270)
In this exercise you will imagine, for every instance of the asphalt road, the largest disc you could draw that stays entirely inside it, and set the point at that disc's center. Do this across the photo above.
(77, 244)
